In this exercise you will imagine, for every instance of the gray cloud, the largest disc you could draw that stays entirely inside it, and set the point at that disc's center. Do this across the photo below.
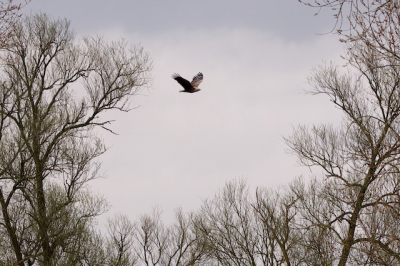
(177, 149)
(285, 18)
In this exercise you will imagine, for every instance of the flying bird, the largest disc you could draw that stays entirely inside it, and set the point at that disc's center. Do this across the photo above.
(190, 87)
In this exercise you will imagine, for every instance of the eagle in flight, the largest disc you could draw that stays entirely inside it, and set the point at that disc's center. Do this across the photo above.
(190, 87)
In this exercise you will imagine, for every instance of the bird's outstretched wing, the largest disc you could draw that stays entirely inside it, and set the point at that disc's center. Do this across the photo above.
(184, 82)
(197, 80)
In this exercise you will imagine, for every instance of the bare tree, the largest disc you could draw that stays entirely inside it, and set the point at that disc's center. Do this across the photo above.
(50, 150)
(231, 229)
(185, 247)
(174, 245)
(278, 213)
(374, 23)
(151, 239)
(8, 15)
(317, 204)
(120, 243)
(360, 158)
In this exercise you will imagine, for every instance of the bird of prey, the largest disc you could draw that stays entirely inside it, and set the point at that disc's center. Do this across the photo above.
(190, 87)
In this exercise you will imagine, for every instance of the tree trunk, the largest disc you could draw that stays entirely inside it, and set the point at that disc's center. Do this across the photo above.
(348, 243)
(42, 221)
(11, 231)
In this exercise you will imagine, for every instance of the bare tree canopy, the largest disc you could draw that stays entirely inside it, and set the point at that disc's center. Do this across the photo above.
(376, 24)
(53, 92)
(8, 15)
(360, 158)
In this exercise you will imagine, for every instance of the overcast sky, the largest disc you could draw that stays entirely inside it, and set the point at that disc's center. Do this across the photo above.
(178, 149)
